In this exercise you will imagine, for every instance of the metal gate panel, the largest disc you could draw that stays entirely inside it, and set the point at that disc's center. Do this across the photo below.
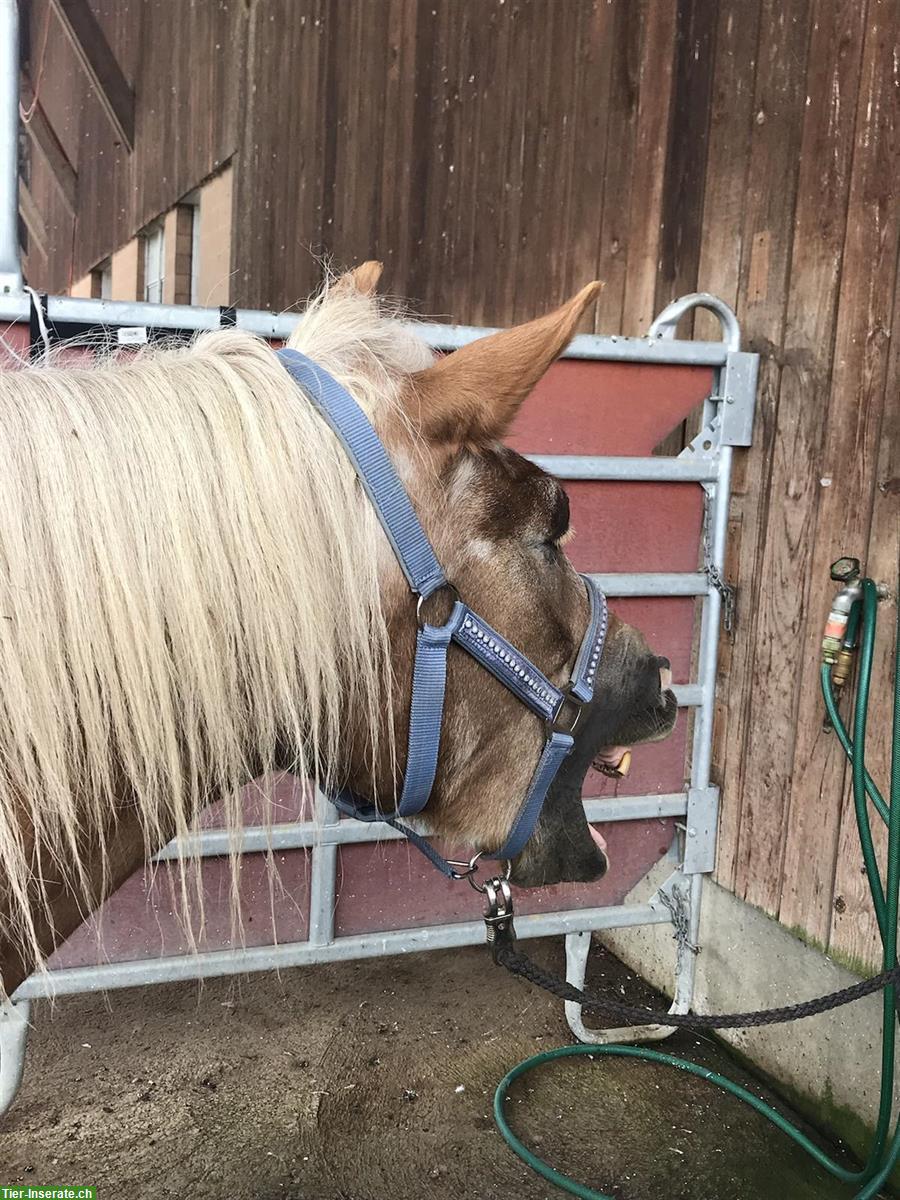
(615, 408)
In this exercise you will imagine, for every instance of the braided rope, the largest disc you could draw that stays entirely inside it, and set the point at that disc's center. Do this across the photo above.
(521, 964)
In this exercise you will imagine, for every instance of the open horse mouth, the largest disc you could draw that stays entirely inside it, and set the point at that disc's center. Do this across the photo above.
(615, 761)
(567, 848)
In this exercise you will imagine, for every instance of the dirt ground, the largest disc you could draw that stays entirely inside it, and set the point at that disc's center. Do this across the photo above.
(374, 1081)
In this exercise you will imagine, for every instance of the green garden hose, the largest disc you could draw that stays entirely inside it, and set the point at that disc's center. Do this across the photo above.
(885, 1150)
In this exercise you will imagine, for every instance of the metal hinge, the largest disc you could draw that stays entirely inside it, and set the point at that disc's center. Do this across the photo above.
(737, 401)
(700, 825)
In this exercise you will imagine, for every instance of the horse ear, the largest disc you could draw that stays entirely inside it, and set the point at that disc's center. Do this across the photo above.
(363, 279)
(473, 394)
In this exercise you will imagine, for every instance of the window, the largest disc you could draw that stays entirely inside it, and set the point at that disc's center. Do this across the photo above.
(188, 255)
(195, 252)
(154, 263)
(101, 281)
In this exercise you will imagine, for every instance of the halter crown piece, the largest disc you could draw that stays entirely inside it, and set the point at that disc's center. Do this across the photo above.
(464, 627)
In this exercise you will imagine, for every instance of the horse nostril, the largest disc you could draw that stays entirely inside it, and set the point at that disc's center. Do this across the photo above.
(665, 675)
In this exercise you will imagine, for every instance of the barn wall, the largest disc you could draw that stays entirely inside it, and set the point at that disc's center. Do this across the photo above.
(183, 61)
(497, 154)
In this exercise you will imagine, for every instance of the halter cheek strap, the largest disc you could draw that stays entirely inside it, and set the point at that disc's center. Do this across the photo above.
(464, 627)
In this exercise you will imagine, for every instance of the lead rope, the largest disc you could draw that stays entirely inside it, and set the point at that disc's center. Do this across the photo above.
(520, 964)
(501, 939)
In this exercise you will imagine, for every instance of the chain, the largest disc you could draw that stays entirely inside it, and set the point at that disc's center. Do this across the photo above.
(715, 577)
(676, 906)
(726, 591)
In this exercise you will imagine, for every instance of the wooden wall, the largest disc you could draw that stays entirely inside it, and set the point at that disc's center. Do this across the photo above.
(496, 155)
(817, 226)
(183, 61)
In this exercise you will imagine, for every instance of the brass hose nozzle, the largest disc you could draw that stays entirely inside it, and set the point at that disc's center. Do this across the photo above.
(843, 667)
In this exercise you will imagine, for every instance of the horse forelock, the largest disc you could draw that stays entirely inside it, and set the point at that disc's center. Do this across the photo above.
(189, 583)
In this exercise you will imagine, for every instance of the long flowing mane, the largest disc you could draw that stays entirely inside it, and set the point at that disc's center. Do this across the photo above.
(188, 580)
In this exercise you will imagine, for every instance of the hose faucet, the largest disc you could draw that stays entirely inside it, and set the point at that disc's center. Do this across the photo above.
(839, 642)
(841, 629)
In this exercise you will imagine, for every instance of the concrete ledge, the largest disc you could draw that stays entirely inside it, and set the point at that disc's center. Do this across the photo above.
(827, 1066)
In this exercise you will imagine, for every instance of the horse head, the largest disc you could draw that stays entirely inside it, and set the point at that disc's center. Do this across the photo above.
(499, 525)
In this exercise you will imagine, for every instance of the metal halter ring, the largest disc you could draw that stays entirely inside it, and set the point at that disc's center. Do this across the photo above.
(491, 883)
(445, 587)
(471, 867)
(468, 868)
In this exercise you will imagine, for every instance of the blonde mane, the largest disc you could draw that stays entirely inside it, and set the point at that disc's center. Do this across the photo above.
(188, 580)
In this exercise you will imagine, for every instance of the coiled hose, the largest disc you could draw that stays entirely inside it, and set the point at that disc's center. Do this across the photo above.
(885, 1150)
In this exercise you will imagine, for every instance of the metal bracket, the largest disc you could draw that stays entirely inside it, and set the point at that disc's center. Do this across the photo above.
(664, 895)
(737, 387)
(700, 828)
(10, 283)
(736, 406)
(706, 442)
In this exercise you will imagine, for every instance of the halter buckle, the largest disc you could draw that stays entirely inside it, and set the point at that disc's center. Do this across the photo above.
(556, 724)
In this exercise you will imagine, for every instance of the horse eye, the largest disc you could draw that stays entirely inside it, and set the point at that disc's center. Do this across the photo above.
(558, 525)
(550, 548)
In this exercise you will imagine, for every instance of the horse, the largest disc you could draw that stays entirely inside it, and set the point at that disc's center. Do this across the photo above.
(195, 592)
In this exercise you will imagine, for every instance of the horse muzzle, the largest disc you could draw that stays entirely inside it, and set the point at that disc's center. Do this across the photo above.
(565, 848)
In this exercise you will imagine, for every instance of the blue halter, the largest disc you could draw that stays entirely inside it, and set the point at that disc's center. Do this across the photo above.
(425, 576)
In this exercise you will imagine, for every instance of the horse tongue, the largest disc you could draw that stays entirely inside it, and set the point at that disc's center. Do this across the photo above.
(598, 837)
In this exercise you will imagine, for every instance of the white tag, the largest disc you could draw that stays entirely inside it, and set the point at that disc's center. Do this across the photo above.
(132, 335)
